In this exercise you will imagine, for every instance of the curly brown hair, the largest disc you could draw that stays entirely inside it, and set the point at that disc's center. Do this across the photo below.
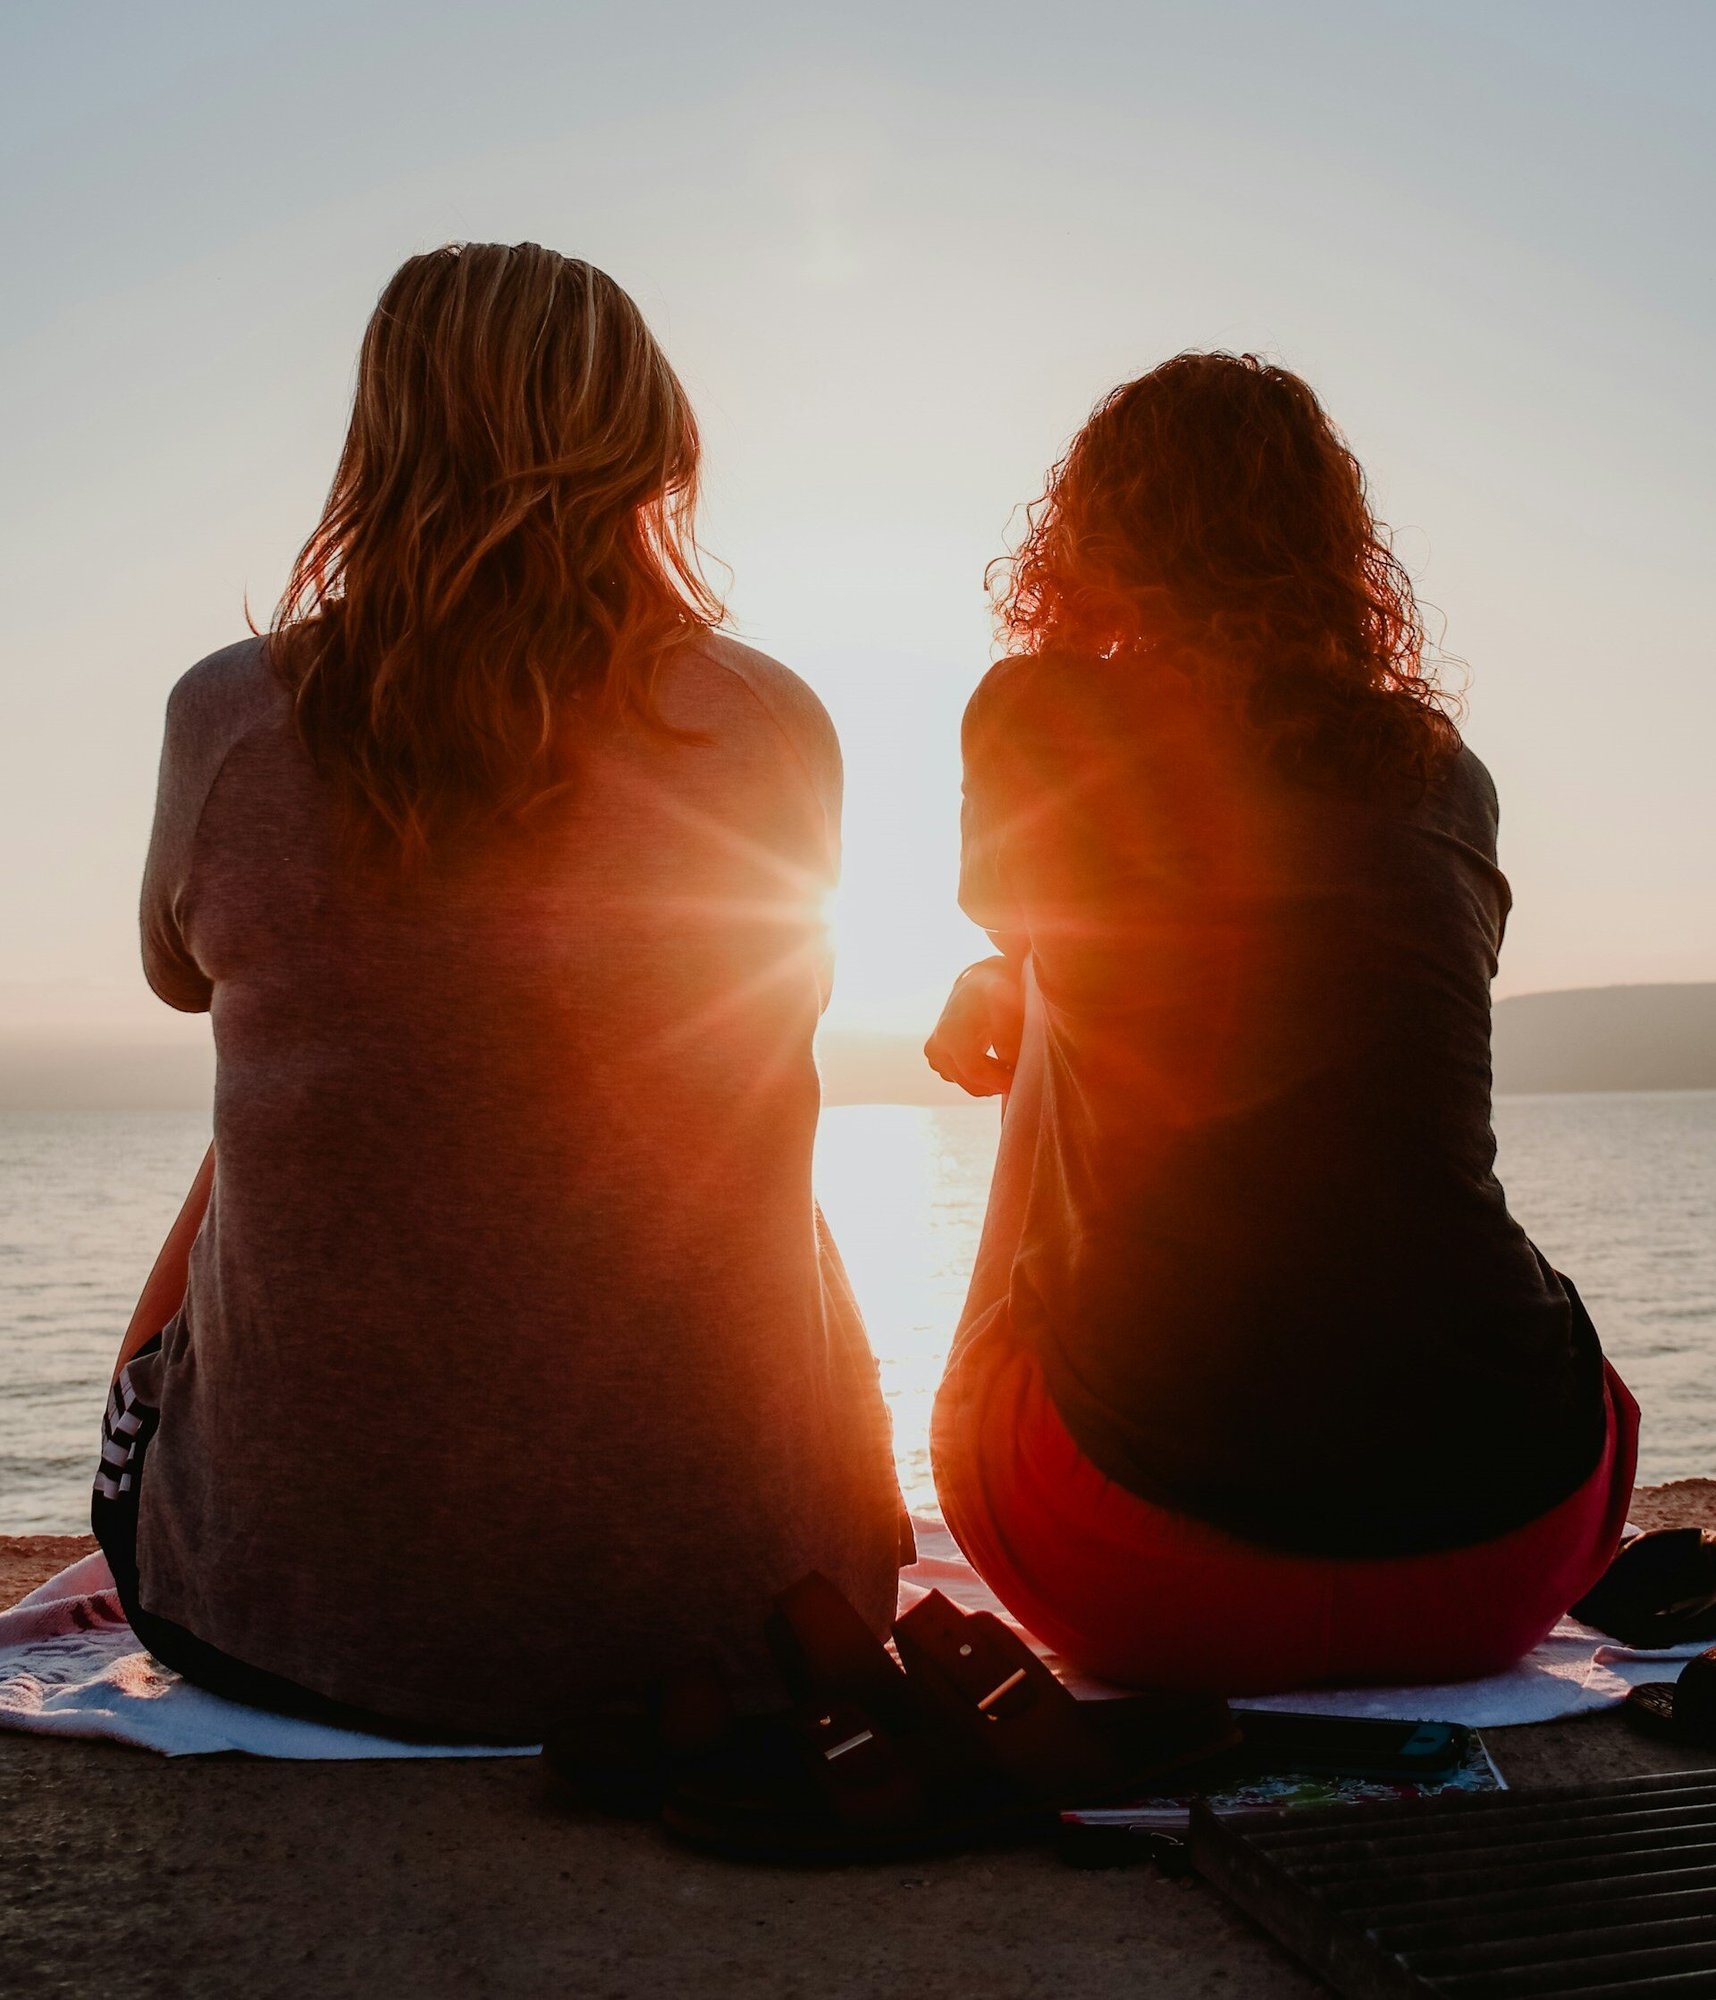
(1210, 515)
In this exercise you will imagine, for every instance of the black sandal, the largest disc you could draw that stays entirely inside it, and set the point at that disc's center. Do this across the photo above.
(968, 1740)
(1660, 1590)
(1684, 1710)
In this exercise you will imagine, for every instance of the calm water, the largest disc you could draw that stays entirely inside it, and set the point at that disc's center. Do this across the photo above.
(1618, 1190)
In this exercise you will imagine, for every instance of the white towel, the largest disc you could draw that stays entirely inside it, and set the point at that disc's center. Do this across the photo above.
(70, 1666)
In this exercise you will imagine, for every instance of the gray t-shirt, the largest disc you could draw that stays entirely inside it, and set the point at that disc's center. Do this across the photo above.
(516, 1362)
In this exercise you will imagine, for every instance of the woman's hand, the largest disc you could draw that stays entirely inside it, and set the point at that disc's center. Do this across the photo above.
(976, 1042)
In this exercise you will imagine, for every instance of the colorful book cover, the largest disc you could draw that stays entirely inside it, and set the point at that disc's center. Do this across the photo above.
(1168, 1812)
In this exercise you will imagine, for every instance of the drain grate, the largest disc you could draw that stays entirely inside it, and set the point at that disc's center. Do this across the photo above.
(1587, 1891)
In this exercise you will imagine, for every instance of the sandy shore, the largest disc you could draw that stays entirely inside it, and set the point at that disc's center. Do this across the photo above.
(128, 1874)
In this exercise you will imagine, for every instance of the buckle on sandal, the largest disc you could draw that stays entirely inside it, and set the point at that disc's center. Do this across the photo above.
(855, 1742)
(996, 1703)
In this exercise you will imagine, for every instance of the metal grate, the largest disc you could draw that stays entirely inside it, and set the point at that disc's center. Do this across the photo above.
(1587, 1891)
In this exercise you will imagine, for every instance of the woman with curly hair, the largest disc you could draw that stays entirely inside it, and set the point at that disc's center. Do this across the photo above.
(1259, 1385)
(500, 1358)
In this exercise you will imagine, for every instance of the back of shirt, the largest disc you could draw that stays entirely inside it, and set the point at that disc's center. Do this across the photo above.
(515, 1363)
(1263, 1255)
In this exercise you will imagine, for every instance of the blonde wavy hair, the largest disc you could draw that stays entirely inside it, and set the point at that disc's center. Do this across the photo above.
(507, 553)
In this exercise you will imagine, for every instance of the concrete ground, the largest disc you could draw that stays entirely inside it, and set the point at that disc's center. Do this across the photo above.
(123, 1873)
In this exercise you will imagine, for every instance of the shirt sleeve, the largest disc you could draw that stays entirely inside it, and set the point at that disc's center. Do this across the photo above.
(168, 962)
(212, 708)
(799, 821)
(983, 892)
(819, 750)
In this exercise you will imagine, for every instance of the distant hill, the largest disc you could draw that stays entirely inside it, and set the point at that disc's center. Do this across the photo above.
(1588, 1038)
(1607, 1038)
(1591, 1038)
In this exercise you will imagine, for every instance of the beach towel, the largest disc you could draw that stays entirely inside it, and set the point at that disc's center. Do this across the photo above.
(70, 1666)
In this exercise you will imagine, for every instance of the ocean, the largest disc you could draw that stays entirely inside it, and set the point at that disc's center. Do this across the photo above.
(1619, 1190)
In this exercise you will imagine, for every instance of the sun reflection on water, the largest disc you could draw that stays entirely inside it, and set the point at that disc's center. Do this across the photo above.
(903, 1188)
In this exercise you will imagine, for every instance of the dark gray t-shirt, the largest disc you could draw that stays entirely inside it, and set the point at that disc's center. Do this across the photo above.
(1246, 1212)
(516, 1362)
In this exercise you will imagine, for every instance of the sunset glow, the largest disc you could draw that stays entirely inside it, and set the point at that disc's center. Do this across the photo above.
(881, 382)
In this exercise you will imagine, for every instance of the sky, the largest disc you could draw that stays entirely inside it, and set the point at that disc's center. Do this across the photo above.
(896, 252)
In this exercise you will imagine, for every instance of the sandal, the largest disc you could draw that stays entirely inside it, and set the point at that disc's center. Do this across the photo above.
(1660, 1590)
(968, 1739)
(1684, 1709)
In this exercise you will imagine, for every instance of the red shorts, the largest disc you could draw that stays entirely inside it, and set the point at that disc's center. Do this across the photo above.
(1139, 1595)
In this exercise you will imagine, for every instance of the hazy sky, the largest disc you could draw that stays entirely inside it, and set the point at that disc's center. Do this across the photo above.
(896, 251)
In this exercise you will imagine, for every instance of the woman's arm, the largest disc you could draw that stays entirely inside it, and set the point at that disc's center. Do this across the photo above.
(164, 1289)
(976, 1042)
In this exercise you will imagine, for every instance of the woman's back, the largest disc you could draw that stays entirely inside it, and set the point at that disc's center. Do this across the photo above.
(1265, 1262)
(509, 1337)
(1259, 1385)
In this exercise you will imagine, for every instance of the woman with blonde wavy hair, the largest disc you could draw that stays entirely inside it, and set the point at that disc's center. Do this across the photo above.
(1259, 1384)
(499, 1358)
